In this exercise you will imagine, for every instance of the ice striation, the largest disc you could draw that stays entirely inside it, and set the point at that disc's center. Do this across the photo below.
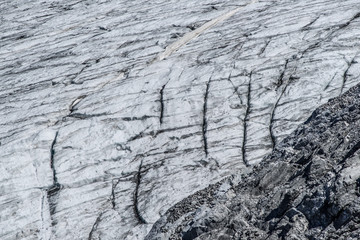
(114, 111)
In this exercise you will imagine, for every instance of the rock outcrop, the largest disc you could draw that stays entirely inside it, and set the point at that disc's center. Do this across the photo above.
(308, 188)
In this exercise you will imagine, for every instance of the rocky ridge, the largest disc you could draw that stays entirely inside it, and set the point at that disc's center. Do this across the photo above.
(308, 188)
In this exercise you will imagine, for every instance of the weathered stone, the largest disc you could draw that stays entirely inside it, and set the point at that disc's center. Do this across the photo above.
(315, 200)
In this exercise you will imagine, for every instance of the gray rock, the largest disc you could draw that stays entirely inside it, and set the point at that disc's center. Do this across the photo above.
(308, 188)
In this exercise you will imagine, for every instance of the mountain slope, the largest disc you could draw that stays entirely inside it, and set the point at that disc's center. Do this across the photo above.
(114, 111)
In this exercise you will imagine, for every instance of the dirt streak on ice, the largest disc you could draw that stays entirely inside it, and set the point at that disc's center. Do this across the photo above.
(193, 34)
